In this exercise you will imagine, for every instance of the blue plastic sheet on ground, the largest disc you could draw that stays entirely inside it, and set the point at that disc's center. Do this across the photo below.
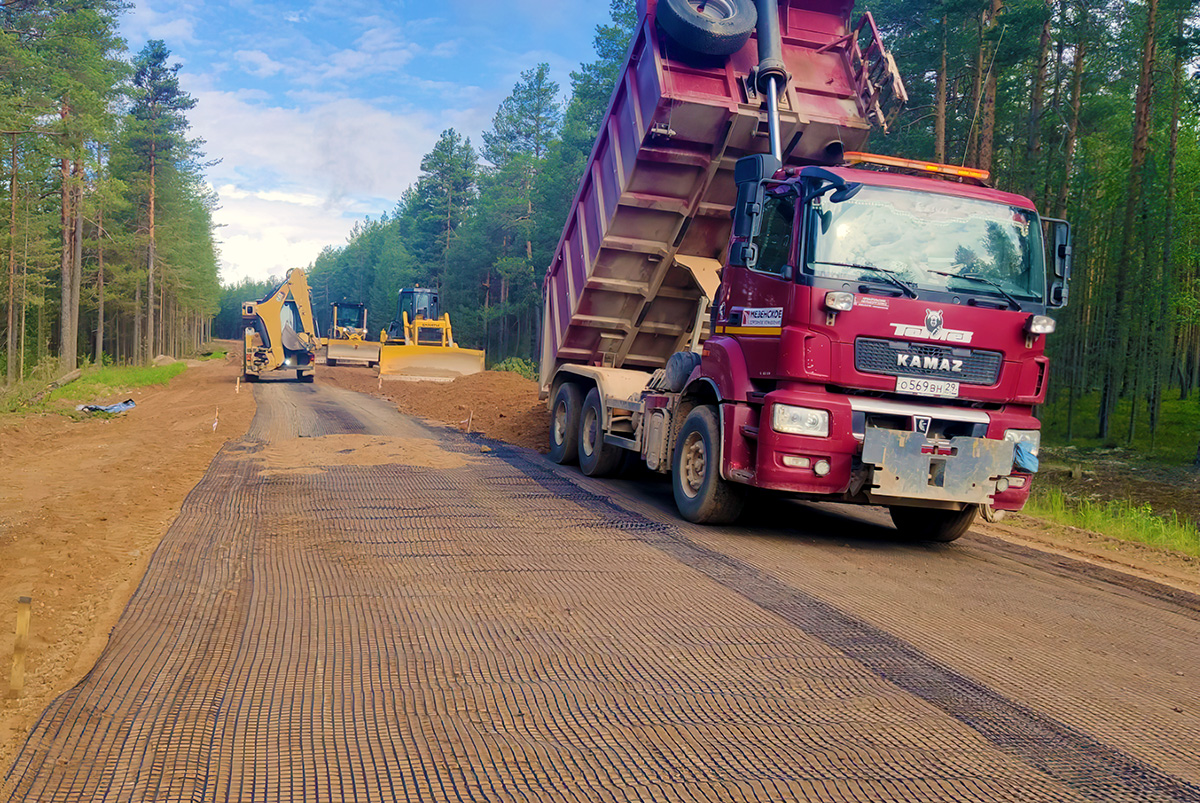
(119, 407)
(1024, 459)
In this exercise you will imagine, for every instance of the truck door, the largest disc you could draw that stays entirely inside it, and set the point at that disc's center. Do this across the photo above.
(755, 296)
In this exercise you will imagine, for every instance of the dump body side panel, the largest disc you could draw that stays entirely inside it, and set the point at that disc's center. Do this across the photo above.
(659, 182)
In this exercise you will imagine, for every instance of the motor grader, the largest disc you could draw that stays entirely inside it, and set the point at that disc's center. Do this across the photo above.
(347, 340)
(419, 344)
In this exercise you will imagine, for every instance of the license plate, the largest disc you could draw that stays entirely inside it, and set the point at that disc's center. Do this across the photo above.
(926, 387)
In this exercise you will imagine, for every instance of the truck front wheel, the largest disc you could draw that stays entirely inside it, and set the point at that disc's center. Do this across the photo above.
(701, 495)
(596, 458)
(564, 424)
(931, 524)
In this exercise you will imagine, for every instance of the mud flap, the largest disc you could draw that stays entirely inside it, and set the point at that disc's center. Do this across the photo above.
(907, 465)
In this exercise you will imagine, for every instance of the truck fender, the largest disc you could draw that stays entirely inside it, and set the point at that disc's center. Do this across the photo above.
(724, 361)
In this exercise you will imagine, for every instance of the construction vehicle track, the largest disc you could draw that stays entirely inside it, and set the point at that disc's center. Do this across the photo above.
(507, 630)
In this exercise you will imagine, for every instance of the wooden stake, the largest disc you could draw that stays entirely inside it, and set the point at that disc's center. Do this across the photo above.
(24, 611)
(469, 416)
(238, 389)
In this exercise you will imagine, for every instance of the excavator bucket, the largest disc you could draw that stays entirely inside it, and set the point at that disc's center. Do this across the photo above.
(428, 363)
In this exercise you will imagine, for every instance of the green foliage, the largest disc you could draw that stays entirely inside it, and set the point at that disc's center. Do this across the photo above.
(1179, 419)
(86, 127)
(1122, 519)
(518, 365)
(95, 385)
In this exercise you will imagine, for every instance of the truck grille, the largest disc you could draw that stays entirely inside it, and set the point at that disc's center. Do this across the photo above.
(902, 358)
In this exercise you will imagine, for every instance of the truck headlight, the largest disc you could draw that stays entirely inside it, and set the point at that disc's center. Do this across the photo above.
(1039, 325)
(800, 420)
(839, 301)
(1033, 437)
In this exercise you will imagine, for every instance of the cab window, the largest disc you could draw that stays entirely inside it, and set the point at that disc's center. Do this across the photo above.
(775, 237)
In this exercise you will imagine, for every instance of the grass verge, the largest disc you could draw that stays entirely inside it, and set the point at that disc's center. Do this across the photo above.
(1122, 519)
(96, 383)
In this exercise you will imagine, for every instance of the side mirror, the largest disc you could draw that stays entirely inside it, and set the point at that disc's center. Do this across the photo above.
(749, 174)
(1060, 262)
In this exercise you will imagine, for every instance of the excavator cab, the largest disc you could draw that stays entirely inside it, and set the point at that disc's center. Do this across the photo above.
(419, 343)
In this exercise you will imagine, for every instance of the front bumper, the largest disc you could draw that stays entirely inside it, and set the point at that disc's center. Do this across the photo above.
(962, 463)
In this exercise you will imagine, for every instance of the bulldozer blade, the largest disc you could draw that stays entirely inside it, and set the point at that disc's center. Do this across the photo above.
(364, 351)
(428, 363)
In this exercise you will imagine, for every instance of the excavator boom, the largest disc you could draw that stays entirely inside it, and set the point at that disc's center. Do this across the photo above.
(279, 333)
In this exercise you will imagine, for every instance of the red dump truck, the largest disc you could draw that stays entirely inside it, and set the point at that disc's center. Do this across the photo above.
(741, 298)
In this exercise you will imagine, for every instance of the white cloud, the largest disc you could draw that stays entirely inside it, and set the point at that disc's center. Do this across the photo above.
(173, 22)
(258, 63)
(292, 181)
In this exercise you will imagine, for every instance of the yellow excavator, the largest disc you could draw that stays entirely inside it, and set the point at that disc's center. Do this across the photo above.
(348, 336)
(279, 333)
(419, 343)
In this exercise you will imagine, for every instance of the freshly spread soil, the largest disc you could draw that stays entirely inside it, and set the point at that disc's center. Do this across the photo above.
(499, 404)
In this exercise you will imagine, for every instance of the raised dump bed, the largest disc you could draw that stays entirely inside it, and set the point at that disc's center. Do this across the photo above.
(643, 244)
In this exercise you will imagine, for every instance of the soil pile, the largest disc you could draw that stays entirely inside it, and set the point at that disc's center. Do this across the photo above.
(497, 404)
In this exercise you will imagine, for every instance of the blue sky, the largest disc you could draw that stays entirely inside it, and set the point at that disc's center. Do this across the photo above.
(320, 112)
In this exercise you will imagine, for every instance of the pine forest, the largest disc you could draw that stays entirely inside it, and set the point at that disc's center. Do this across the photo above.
(1091, 110)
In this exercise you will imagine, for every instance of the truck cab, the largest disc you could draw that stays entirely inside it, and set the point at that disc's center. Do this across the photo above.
(881, 338)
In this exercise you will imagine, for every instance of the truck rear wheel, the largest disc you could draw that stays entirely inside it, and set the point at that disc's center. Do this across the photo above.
(931, 524)
(564, 424)
(330, 361)
(712, 27)
(596, 458)
(701, 495)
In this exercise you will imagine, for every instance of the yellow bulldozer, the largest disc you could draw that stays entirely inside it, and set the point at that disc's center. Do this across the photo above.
(278, 332)
(419, 343)
(347, 340)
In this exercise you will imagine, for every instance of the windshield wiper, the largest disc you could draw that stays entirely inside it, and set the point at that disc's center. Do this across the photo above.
(1016, 304)
(890, 275)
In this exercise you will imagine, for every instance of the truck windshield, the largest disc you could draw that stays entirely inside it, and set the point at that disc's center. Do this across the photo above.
(930, 241)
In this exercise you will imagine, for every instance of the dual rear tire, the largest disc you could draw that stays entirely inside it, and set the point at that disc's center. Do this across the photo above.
(701, 494)
(577, 431)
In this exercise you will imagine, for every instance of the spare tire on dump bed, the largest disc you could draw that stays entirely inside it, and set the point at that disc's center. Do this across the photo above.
(710, 27)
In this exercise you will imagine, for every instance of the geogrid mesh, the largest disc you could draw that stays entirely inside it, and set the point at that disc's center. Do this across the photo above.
(497, 632)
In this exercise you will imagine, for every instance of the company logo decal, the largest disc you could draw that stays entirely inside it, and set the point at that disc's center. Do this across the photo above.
(929, 363)
(763, 316)
(932, 329)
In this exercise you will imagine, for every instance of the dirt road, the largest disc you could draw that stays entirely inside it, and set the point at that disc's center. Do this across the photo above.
(353, 607)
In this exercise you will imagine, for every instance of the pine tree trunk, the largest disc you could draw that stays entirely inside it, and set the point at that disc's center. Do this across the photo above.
(987, 131)
(138, 342)
(76, 252)
(1072, 127)
(1033, 144)
(150, 345)
(939, 121)
(1118, 365)
(100, 286)
(10, 351)
(66, 270)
